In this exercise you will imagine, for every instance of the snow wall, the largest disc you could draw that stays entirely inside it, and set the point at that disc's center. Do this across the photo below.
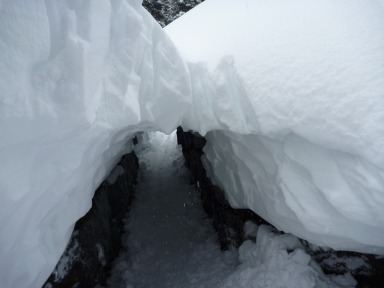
(303, 83)
(79, 78)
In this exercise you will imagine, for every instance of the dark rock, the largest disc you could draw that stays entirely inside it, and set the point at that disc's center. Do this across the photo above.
(227, 221)
(95, 242)
(165, 11)
(367, 269)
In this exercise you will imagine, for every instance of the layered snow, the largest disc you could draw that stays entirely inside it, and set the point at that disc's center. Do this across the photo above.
(302, 82)
(326, 196)
(77, 80)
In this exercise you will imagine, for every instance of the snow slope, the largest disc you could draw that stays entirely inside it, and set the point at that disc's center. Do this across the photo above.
(305, 81)
(77, 80)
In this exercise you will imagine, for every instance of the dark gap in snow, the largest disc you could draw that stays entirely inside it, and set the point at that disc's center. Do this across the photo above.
(95, 241)
(166, 11)
(228, 222)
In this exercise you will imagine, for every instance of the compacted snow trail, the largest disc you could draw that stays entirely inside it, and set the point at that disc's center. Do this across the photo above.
(169, 240)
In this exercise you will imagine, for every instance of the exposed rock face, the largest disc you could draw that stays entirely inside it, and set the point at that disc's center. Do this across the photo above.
(367, 269)
(95, 242)
(227, 221)
(165, 11)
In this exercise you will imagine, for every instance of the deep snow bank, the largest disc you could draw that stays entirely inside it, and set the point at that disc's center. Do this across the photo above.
(77, 79)
(307, 80)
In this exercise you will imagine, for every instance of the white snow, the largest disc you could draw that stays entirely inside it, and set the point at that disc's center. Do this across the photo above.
(304, 79)
(279, 261)
(77, 80)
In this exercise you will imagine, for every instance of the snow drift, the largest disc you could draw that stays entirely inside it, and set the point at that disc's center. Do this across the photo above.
(304, 80)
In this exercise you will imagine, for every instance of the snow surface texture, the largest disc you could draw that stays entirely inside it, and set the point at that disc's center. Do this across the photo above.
(171, 243)
(307, 80)
(79, 78)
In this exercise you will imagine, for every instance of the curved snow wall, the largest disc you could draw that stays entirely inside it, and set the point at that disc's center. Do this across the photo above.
(303, 102)
(78, 79)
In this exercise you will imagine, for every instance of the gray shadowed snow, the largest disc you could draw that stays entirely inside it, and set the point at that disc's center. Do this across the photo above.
(169, 240)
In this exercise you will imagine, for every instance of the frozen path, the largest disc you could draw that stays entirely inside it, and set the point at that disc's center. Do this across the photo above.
(170, 242)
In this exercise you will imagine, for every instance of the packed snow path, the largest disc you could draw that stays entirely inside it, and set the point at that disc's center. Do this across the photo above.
(170, 242)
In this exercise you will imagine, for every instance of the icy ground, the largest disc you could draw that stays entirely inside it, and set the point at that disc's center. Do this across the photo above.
(170, 242)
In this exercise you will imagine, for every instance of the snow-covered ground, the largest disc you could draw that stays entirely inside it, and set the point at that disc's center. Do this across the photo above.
(171, 243)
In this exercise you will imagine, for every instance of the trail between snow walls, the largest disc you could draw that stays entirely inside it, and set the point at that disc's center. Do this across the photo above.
(292, 106)
(170, 241)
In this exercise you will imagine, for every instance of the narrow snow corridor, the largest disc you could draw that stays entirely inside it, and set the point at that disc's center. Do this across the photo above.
(289, 96)
(169, 240)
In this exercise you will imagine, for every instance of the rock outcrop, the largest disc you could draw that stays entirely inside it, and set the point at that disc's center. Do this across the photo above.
(227, 221)
(167, 11)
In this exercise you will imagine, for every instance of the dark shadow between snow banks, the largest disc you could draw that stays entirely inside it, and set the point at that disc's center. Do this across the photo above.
(95, 241)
